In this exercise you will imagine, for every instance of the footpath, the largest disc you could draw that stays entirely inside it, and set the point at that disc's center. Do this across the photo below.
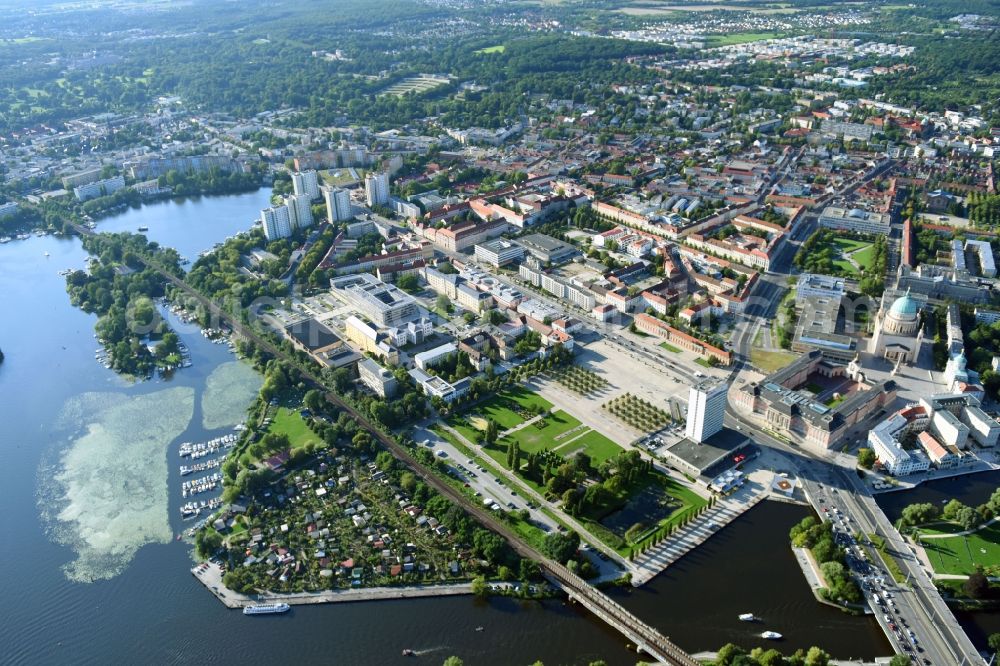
(210, 575)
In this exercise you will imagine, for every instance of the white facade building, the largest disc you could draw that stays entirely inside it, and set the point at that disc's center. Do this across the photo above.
(499, 252)
(306, 182)
(856, 220)
(338, 204)
(377, 189)
(299, 211)
(100, 188)
(706, 409)
(276, 222)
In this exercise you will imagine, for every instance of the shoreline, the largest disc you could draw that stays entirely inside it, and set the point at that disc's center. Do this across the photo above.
(951, 474)
(210, 576)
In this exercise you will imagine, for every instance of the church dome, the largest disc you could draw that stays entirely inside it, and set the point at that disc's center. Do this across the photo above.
(904, 307)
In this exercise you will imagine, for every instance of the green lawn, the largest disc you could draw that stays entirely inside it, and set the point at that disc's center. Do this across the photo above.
(499, 409)
(962, 554)
(499, 48)
(670, 348)
(865, 257)
(771, 361)
(291, 423)
(596, 445)
(940, 527)
(703, 363)
(850, 244)
(541, 434)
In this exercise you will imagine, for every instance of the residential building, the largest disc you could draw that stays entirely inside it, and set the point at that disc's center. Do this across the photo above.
(276, 222)
(8, 209)
(884, 441)
(984, 316)
(983, 251)
(338, 204)
(653, 326)
(99, 188)
(306, 182)
(81, 178)
(299, 211)
(706, 410)
(377, 189)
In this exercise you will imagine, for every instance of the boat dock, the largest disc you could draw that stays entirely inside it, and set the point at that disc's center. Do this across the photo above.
(202, 449)
(192, 509)
(202, 466)
(202, 485)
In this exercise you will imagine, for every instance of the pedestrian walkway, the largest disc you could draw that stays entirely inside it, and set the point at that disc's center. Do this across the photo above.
(657, 559)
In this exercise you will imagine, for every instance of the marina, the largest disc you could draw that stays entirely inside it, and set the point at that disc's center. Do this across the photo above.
(202, 449)
(202, 485)
(202, 466)
(192, 509)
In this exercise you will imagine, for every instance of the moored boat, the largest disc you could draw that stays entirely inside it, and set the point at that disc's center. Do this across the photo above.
(266, 609)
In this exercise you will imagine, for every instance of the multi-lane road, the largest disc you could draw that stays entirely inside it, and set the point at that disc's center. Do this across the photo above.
(838, 495)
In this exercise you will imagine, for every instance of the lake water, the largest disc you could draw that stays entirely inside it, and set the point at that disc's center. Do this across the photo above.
(76, 439)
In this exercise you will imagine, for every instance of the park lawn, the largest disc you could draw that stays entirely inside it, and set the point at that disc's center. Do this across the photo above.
(497, 409)
(963, 554)
(865, 257)
(846, 267)
(670, 348)
(850, 244)
(460, 424)
(291, 423)
(541, 434)
(499, 48)
(771, 361)
(940, 527)
(703, 363)
(597, 446)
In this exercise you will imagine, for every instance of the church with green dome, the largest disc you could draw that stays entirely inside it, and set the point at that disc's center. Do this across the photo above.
(898, 333)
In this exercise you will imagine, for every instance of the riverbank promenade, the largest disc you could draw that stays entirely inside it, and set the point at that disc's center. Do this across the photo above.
(210, 575)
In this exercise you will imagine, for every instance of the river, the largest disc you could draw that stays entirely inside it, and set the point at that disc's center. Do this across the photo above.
(77, 440)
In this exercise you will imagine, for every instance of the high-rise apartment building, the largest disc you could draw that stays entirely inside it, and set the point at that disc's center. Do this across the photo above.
(706, 410)
(377, 189)
(276, 223)
(299, 211)
(338, 204)
(306, 182)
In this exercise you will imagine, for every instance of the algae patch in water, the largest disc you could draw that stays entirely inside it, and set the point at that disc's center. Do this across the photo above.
(106, 496)
(229, 390)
